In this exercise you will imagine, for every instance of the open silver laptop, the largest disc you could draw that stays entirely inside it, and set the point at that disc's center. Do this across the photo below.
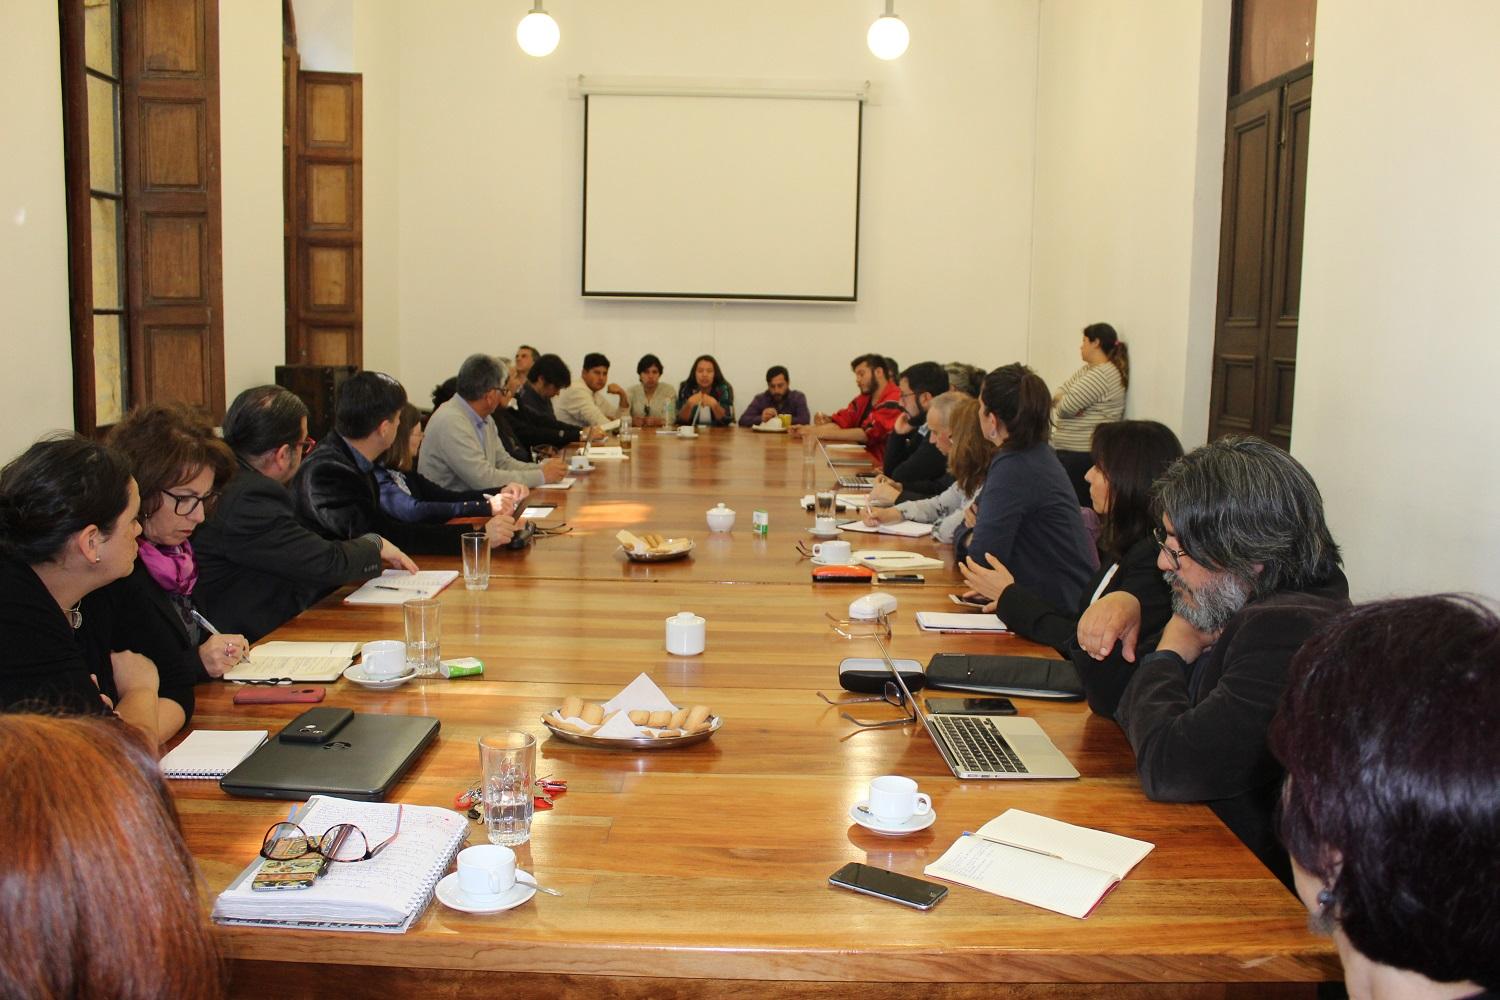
(988, 746)
(849, 481)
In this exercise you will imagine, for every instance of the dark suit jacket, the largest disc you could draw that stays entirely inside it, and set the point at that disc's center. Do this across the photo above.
(134, 613)
(915, 462)
(339, 500)
(258, 566)
(535, 423)
(1199, 730)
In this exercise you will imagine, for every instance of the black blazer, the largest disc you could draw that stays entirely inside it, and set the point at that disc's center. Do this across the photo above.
(915, 462)
(42, 664)
(258, 566)
(340, 501)
(536, 424)
(1199, 730)
(134, 613)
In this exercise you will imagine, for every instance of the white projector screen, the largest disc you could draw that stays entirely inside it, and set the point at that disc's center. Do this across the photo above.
(721, 197)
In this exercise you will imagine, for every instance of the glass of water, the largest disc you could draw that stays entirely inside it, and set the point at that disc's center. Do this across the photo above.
(476, 552)
(508, 764)
(824, 504)
(424, 633)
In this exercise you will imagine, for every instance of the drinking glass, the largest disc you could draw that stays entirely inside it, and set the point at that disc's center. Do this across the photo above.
(424, 631)
(824, 504)
(508, 763)
(476, 550)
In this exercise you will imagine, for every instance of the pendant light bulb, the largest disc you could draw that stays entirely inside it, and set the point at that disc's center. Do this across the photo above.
(537, 34)
(888, 37)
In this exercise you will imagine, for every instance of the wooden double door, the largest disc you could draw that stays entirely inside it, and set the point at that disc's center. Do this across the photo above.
(1260, 260)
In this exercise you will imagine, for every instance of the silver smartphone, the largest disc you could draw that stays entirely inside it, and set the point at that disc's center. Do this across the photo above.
(894, 886)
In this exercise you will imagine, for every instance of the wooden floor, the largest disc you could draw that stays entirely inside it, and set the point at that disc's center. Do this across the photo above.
(704, 871)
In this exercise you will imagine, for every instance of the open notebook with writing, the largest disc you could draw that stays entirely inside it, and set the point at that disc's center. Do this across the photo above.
(396, 586)
(301, 661)
(384, 894)
(1045, 862)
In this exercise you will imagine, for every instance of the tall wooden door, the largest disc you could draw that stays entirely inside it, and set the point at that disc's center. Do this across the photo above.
(327, 218)
(170, 134)
(1260, 260)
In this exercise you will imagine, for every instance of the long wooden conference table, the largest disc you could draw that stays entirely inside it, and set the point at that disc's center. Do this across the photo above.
(704, 870)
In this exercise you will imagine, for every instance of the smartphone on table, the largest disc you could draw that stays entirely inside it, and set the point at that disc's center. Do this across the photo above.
(894, 886)
(971, 706)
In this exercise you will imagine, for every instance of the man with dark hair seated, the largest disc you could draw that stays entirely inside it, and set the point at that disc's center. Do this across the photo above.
(534, 420)
(914, 469)
(594, 400)
(335, 489)
(258, 565)
(869, 417)
(779, 398)
(1391, 808)
(1254, 571)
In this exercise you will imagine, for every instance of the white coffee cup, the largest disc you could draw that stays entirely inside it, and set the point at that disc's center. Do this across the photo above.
(486, 870)
(825, 525)
(894, 799)
(686, 431)
(579, 462)
(687, 634)
(833, 553)
(384, 658)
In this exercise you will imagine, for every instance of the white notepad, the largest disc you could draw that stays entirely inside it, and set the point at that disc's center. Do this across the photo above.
(1058, 866)
(396, 586)
(905, 529)
(210, 753)
(958, 622)
(565, 483)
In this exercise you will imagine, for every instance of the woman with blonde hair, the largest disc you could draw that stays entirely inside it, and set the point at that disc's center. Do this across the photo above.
(101, 895)
(953, 423)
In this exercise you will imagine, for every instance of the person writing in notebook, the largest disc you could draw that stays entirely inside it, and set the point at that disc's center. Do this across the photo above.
(336, 488)
(1254, 571)
(258, 565)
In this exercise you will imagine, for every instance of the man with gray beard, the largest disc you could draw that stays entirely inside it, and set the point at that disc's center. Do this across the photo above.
(1254, 571)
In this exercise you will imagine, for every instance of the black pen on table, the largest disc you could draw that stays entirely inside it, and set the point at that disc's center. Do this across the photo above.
(244, 657)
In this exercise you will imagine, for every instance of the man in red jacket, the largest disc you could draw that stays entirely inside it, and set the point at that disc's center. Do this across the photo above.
(869, 417)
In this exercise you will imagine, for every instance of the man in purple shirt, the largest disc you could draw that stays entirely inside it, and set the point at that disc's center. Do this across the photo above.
(778, 398)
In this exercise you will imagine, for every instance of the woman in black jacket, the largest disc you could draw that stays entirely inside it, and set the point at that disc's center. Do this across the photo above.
(1128, 456)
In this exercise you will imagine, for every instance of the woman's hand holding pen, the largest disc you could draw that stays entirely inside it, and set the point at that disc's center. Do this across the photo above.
(221, 653)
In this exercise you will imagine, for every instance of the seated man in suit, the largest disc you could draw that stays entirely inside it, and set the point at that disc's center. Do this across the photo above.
(914, 467)
(336, 491)
(534, 420)
(594, 400)
(869, 417)
(464, 446)
(778, 399)
(1254, 571)
(258, 565)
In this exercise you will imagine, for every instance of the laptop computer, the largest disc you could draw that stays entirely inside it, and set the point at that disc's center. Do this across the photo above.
(849, 481)
(360, 760)
(1006, 747)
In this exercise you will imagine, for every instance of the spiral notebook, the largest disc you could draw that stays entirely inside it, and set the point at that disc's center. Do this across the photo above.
(385, 894)
(210, 753)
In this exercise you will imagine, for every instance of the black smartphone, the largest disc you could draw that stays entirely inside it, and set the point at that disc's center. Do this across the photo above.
(977, 601)
(894, 886)
(900, 578)
(316, 725)
(970, 706)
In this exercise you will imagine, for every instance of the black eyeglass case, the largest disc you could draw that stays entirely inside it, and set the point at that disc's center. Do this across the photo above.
(868, 674)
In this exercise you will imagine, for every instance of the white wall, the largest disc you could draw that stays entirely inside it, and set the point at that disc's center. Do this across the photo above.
(1129, 166)
(36, 379)
(1399, 339)
(490, 173)
(376, 57)
(326, 33)
(250, 146)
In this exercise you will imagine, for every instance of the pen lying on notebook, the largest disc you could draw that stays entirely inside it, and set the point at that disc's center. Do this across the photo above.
(1006, 843)
(244, 656)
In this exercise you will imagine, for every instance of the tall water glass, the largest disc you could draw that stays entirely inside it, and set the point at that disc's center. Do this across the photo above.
(476, 550)
(824, 504)
(424, 634)
(508, 763)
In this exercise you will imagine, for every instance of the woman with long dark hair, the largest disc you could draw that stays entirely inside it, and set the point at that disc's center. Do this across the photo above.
(1093, 395)
(1128, 456)
(1027, 521)
(705, 397)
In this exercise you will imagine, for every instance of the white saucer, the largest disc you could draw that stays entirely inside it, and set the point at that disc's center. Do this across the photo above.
(912, 825)
(586, 468)
(825, 562)
(824, 534)
(356, 673)
(451, 895)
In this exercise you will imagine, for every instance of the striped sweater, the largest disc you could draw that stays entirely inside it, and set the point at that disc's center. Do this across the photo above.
(1091, 396)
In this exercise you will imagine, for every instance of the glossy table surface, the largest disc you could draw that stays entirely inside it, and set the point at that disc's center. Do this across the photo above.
(711, 862)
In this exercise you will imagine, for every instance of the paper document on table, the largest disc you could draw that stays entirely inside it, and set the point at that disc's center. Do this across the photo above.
(904, 529)
(565, 483)
(211, 753)
(1040, 861)
(958, 623)
(396, 586)
(301, 661)
(610, 425)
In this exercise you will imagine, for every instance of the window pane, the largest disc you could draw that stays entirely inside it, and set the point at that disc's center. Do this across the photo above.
(105, 235)
(104, 144)
(109, 371)
(99, 35)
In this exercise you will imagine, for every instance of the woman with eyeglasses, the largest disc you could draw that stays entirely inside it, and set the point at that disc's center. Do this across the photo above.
(179, 467)
(67, 528)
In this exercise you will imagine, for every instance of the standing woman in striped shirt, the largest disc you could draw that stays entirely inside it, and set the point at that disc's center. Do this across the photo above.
(1093, 395)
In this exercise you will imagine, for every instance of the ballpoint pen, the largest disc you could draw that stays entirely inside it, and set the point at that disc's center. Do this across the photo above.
(244, 656)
